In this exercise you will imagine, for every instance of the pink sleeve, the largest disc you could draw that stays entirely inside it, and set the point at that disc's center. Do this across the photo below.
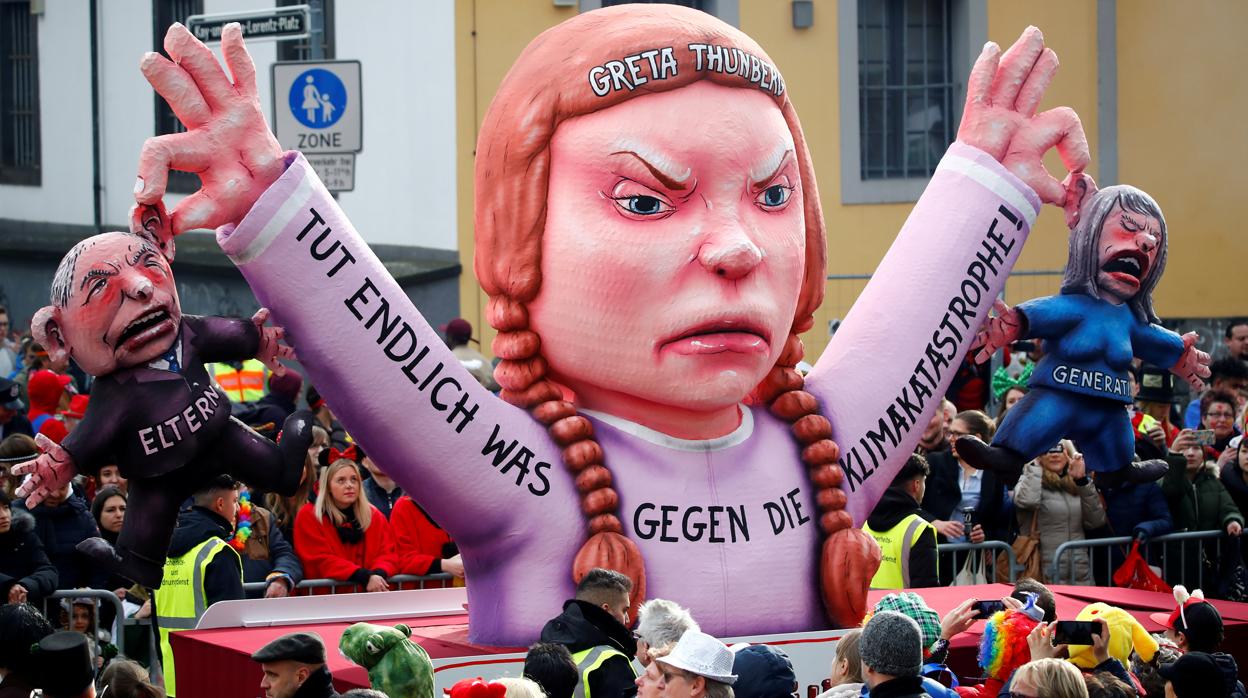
(473, 461)
(890, 362)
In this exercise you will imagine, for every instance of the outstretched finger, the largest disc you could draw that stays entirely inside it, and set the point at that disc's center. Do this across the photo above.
(176, 86)
(979, 85)
(188, 152)
(1016, 65)
(261, 316)
(191, 54)
(1032, 91)
(242, 69)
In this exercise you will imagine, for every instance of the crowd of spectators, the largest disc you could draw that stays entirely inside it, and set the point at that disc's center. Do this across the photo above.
(1058, 500)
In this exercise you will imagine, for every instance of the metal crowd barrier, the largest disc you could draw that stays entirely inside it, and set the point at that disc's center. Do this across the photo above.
(947, 554)
(119, 639)
(335, 586)
(1171, 550)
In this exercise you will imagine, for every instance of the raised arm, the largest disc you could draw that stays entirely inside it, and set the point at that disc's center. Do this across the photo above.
(473, 461)
(893, 357)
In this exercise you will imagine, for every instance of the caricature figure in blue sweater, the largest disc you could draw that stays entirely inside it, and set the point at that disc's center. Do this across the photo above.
(1102, 318)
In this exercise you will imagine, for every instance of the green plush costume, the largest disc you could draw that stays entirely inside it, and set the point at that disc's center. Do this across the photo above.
(396, 666)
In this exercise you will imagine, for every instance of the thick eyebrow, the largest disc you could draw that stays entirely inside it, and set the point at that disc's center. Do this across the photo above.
(771, 166)
(670, 181)
(144, 248)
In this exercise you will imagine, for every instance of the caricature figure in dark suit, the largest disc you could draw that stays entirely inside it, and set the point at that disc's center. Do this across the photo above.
(154, 410)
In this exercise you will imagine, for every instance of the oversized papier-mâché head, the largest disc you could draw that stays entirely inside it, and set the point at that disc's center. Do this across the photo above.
(1117, 248)
(114, 302)
(649, 232)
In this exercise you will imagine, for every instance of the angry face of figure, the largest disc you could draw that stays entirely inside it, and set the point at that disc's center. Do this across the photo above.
(114, 305)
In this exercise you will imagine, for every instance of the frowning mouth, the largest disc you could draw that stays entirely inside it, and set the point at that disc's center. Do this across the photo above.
(740, 335)
(145, 328)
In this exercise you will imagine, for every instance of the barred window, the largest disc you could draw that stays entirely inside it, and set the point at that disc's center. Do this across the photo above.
(20, 151)
(905, 91)
(164, 14)
(319, 44)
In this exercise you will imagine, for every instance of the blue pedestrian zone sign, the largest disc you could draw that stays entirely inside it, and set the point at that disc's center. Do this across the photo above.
(318, 106)
(318, 98)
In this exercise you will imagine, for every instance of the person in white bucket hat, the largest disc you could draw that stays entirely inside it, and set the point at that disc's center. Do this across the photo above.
(699, 666)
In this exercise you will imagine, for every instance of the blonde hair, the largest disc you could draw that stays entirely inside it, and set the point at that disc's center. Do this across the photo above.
(518, 687)
(1050, 480)
(324, 503)
(1052, 678)
(545, 87)
(847, 649)
(285, 509)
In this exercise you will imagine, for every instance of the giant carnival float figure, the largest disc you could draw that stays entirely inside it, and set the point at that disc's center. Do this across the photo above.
(1101, 320)
(154, 410)
(650, 234)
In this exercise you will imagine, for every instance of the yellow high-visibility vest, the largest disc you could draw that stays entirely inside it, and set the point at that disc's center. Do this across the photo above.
(241, 385)
(180, 600)
(895, 545)
(588, 661)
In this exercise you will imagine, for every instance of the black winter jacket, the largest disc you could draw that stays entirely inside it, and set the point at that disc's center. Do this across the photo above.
(23, 561)
(61, 528)
(583, 626)
(271, 551)
(1230, 674)
(944, 493)
(223, 578)
(894, 506)
(320, 684)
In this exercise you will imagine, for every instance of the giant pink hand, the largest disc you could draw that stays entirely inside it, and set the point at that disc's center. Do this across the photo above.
(1000, 117)
(1193, 365)
(997, 331)
(51, 470)
(228, 144)
(271, 348)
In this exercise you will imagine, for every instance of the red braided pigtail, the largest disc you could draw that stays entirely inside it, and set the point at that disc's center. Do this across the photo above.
(522, 375)
(849, 557)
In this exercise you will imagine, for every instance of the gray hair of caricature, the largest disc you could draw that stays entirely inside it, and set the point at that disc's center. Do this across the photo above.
(1082, 265)
(661, 622)
(63, 280)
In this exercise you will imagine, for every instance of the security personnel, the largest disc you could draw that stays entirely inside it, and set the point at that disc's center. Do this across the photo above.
(594, 628)
(907, 538)
(202, 567)
(241, 381)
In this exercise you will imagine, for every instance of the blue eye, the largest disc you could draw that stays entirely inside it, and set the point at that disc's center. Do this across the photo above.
(774, 196)
(643, 205)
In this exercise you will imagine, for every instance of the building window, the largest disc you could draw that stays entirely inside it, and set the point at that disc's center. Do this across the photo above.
(904, 87)
(164, 14)
(20, 152)
(903, 68)
(319, 44)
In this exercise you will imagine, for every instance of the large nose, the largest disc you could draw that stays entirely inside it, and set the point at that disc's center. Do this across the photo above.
(731, 255)
(1146, 241)
(138, 285)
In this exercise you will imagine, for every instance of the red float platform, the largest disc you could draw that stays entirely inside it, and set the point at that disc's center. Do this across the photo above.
(215, 662)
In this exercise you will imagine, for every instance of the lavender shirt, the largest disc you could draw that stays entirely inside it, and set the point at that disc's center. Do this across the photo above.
(726, 526)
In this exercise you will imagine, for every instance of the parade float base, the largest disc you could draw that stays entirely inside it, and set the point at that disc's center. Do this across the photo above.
(214, 659)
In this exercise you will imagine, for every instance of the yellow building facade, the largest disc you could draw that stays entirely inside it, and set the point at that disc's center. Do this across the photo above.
(1155, 82)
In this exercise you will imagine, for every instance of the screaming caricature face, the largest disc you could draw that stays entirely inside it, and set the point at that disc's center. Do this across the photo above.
(115, 305)
(1130, 241)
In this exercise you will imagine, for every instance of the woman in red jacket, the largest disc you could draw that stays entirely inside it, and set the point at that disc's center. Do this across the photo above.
(342, 536)
(422, 546)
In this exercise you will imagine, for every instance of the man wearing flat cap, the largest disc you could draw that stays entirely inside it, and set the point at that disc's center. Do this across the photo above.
(294, 667)
(12, 419)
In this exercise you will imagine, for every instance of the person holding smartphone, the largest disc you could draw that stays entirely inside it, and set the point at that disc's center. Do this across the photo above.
(1198, 501)
(1056, 492)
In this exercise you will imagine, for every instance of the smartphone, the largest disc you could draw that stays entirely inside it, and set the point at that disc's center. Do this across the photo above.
(985, 609)
(1204, 437)
(1075, 632)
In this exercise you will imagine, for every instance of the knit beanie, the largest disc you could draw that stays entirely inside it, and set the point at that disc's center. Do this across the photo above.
(892, 644)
